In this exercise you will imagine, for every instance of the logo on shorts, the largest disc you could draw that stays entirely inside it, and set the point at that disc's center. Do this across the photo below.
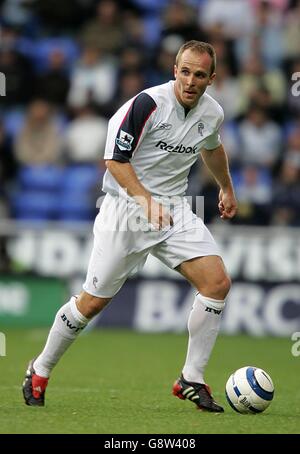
(125, 140)
(95, 281)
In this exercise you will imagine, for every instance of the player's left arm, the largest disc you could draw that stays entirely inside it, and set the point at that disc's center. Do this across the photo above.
(217, 162)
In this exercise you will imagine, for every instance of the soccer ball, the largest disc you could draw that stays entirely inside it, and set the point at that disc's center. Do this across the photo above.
(249, 390)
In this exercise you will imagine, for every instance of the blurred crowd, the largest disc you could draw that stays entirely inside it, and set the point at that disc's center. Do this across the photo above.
(69, 64)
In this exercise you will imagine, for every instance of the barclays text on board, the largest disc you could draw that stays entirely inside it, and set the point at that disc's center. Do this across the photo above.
(264, 266)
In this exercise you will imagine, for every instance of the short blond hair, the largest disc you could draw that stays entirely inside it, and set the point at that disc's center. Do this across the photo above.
(202, 48)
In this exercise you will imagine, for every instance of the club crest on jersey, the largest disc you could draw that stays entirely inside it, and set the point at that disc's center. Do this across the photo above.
(124, 141)
(200, 128)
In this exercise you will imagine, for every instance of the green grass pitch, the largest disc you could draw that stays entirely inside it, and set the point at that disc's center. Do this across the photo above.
(119, 382)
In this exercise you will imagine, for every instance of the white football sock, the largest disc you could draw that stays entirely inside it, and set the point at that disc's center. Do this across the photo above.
(203, 325)
(68, 323)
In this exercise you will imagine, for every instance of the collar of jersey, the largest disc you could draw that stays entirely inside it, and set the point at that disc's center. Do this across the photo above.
(179, 108)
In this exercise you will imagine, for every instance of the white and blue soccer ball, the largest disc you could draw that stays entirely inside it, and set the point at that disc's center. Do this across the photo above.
(249, 390)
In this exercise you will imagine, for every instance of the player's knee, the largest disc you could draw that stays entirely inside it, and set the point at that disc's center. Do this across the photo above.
(90, 305)
(224, 286)
(219, 288)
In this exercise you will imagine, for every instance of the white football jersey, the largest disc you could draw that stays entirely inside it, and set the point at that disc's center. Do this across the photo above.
(153, 132)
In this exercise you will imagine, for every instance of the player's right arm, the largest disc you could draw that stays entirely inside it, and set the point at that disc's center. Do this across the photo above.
(124, 135)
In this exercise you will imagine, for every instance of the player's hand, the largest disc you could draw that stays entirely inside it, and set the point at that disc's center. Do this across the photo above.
(227, 204)
(158, 215)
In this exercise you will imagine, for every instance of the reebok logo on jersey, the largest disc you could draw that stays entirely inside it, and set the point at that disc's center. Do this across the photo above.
(124, 142)
(178, 149)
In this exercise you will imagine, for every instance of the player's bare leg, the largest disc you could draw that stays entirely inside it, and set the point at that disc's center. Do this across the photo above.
(69, 322)
(209, 277)
(89, 305)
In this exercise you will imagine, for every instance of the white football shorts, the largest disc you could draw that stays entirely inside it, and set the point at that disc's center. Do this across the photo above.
(123, 238)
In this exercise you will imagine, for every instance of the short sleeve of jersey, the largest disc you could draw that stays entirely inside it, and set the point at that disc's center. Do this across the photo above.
(126, 133)
(214, 140)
